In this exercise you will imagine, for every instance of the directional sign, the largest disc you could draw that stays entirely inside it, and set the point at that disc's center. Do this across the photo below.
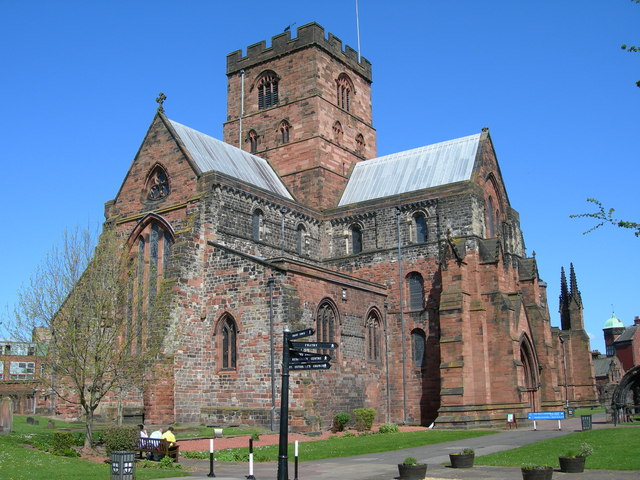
(310, 366)
(310, 359)
(313, 345)
(302, 333)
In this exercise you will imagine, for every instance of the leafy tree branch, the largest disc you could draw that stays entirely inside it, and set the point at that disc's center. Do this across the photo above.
(604, 216)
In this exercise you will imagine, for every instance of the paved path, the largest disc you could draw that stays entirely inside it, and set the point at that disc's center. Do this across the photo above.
(383, 466)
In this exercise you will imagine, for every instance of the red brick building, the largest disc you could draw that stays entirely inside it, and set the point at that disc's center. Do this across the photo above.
(413, 262)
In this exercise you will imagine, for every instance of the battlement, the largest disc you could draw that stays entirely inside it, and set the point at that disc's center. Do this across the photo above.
(282, 44)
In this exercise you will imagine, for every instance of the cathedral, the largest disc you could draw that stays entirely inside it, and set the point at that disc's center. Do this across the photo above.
(413, 263)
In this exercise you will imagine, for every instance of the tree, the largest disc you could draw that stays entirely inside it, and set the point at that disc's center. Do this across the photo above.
(606, 216)
(79, 295)
(632, 48)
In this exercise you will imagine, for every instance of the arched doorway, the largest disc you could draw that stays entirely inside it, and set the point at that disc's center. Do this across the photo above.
(626, 396)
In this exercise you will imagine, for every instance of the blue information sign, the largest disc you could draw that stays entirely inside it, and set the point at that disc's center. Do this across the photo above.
(545, 416)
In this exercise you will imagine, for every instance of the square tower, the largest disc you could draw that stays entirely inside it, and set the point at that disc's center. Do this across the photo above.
(304, 105)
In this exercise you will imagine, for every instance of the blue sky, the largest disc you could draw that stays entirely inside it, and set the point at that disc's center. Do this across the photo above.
(79, 81)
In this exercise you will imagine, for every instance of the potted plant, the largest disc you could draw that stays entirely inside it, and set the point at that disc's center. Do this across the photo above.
(410, 469)
(536, 472)
(573, 462)
(462, 459)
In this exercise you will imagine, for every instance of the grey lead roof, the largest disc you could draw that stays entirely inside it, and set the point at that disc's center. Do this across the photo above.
(214, 155)
(411, 170)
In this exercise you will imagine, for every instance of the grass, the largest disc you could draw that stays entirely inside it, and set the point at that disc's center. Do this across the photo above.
(349, 446)
(18, 461)
(614, 449)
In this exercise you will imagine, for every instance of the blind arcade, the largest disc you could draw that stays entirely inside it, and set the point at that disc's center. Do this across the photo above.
(295, 358)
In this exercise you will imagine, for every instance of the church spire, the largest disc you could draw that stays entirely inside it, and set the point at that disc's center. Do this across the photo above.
(575, 293)
(565, 298)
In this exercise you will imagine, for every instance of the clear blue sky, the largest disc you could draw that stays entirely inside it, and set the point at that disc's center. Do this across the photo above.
(548, 77)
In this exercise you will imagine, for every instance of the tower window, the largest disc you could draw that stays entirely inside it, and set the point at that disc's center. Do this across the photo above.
(374, 349)
(344, 91)
(253, 141)
(300, 239)
(360, 144)
(257, 225)
(284, 131)
(337, 132)
(228, 350)
(268, 90)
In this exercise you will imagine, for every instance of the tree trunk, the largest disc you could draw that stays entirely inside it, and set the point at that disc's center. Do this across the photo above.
(88, 438)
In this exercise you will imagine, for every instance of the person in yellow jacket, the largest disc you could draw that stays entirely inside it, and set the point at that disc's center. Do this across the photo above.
(170, 437)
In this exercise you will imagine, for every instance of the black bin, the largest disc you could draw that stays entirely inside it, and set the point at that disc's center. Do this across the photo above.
(123, 465)
(586, 422)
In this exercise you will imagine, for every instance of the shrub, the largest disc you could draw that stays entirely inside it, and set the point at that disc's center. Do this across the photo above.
(121, 438)
(349, 434)
(410, 461)
(61, 443)
(340, 422)
(255, 436)
(388, 428)
(364, 418)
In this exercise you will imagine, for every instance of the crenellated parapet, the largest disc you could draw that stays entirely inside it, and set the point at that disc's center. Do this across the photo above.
(307, 35)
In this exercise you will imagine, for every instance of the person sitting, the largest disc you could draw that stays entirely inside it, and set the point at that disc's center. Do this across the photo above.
(170, 437)
(143, 432)
(155, 434)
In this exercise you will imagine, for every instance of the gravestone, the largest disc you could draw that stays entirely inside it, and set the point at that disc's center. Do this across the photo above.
(6, 415)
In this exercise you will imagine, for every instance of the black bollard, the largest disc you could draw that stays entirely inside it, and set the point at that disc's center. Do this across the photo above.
(211, 459)
(295, 468)
(250, 476)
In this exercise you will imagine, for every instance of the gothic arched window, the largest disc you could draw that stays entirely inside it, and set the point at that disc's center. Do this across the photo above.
(228, 343)
(267, 90)
(360, 144)
(157, 184)
(491, 219)
(337, 132)
(344, 91)
(374, 337)
(284, 131)
(415, 285)
(326, 322)
(418, 343)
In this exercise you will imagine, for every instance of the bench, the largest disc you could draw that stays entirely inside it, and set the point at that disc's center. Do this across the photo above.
(158, 447)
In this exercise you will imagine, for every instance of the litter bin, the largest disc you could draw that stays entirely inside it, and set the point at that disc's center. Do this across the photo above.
(123, 465)
(586, 422)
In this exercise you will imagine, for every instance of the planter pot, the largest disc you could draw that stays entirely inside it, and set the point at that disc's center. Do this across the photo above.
(412, 472)
(461, 460)
(537, 473)
(572, 464)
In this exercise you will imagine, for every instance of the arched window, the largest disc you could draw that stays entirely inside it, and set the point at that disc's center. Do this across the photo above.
(420, 225)
(267, 90)
(228, 343)
(344, 91)
(374, 337)
(157, 184)
(356, 239)
(253, 141)
(491, 219)
(337, 132)
(150, 252)
(300, 239)
(257, 224)
(326, 323)
(418, 342)
(284, 131)
(415, 286)
(360, 144)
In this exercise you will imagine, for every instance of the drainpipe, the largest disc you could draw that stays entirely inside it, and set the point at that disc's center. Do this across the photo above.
(241, 108)
(272, 417)
(564, 362)
(386, 361)
(401, 297)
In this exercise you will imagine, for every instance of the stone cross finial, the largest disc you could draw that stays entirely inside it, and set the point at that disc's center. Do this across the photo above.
(160, 100)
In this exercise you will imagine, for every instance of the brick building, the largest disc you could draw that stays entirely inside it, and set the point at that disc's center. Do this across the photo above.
(413, 262)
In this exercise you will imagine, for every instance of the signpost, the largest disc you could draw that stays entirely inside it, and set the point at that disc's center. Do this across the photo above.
(546, 416)
(293, 358)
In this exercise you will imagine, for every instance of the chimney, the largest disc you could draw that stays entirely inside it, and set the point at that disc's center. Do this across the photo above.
(636, 320)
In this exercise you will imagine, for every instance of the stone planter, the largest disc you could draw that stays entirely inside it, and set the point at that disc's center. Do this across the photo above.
(572, 464)
(537, 473)
(461, 460)
(412, 472)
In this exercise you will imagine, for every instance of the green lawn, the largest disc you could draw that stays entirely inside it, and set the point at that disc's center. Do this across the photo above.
(614, 449)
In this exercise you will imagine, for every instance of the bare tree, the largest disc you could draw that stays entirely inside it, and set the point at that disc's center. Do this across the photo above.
(79, 294)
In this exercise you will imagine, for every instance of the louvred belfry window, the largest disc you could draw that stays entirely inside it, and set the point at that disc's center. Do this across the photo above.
(344, 91)
(268, 90)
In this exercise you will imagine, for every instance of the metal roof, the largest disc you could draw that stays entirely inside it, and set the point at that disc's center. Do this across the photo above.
(411, 170)
(215, 155)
